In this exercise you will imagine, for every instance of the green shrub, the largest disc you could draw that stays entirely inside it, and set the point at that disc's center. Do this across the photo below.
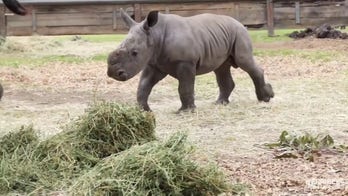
(306, 146)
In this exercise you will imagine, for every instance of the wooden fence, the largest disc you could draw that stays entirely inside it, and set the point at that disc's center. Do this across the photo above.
(103, 17)
(310, 13)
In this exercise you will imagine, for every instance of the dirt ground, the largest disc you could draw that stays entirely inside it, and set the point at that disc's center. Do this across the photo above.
(310, 96)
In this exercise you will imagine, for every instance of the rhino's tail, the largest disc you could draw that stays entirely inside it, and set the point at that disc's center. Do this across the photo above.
(15, 7)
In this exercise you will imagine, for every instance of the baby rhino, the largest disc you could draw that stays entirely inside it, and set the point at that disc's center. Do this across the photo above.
(183, 47)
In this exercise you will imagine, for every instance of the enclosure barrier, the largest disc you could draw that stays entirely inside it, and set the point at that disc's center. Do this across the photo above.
(58, 17)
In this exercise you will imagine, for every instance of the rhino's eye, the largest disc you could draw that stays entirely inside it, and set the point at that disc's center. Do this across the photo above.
(134, 53)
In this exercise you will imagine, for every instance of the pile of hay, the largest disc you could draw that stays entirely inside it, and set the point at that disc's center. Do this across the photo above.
(104, 129)
(17, 142)
(155, 168)
(18, 166)
(111, 149)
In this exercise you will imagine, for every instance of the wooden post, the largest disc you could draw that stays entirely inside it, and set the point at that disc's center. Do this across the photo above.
(270, 18)
(236, 9)
(34, 21)
(137, 12)
(298, 12)
(114, 19)
(2, 22)
(167, 10)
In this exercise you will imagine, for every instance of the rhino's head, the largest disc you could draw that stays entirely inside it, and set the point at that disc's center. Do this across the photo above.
(135, 51)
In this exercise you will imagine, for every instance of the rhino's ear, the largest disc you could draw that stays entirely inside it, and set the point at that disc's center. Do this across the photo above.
(151, 20)
(127, 19)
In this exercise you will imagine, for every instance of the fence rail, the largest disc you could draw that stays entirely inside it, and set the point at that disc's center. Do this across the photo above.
(103, 17)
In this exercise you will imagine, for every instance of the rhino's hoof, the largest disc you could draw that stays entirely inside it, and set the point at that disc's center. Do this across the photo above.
(222, 102)
(190, 108)
(145, 107)
(266, 93)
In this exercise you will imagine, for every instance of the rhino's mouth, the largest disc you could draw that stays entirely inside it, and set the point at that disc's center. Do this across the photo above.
(119, 74)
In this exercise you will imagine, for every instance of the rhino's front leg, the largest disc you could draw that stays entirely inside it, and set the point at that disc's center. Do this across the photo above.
(186, 75)
(149, 77)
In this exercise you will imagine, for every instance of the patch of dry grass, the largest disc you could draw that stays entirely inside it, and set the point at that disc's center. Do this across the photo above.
(310, 96)
(40, 50)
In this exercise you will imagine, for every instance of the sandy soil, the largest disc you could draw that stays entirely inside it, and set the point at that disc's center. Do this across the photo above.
(311, 96)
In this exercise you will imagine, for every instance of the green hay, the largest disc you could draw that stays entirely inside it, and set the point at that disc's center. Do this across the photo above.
(18, 170)
(104, 129)
(110, 128)
(20, 173)
(17, 140)
(155, 168)
(109, 150)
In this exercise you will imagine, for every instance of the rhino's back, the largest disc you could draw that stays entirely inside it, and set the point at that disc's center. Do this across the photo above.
(205, 39)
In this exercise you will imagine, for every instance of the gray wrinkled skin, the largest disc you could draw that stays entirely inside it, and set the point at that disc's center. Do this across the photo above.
(183, 47)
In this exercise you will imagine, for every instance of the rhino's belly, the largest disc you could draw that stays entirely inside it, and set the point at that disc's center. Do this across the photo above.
(209, 65)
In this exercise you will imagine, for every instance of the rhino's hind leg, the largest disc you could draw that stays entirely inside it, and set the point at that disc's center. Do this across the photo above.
(186, 86)
(243, 58)
(264, 91)
(225, 83)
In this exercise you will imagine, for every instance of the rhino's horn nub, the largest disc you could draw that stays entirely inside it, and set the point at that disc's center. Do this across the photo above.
(127, 19)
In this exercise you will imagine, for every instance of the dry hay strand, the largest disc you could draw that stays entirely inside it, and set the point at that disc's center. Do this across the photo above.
(105, 129)
(154, 168)
(18, 168)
